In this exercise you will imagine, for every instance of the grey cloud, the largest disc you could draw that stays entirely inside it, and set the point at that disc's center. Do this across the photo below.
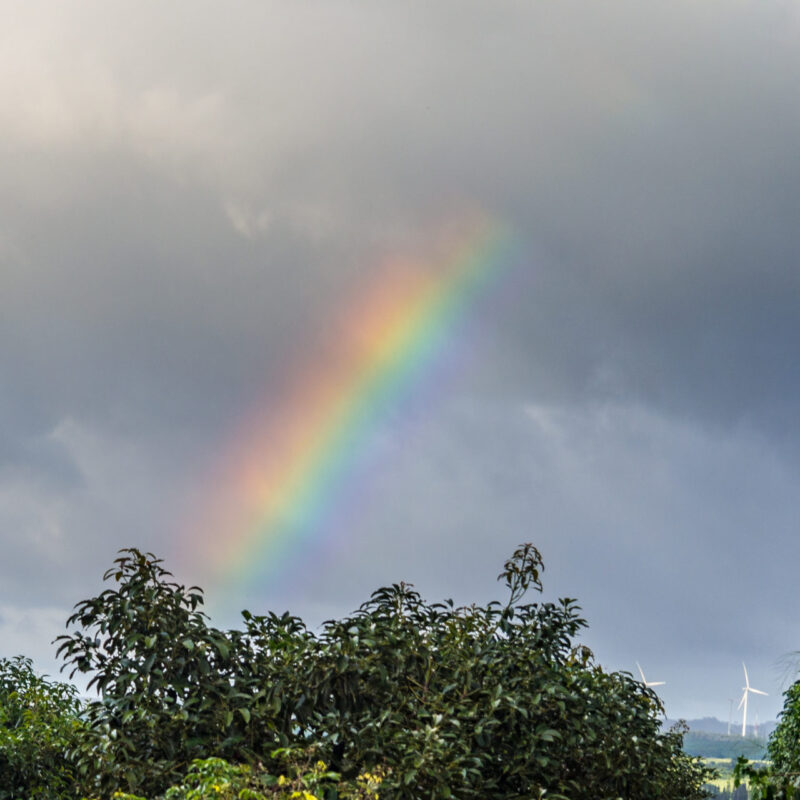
(35, 459)
(175, 228)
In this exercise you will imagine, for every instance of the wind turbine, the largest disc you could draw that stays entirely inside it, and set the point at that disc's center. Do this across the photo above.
(743, 702)
(648, 684)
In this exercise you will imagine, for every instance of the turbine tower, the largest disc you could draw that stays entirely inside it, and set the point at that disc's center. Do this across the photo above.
(647, 683)
(743, 702)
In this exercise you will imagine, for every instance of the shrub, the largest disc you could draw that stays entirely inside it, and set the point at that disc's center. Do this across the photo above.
(473, 702)
(39, 723)
(165, 679)
(302, 779)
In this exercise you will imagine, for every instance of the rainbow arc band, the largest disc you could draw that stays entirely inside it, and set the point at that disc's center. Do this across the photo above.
(289, 471)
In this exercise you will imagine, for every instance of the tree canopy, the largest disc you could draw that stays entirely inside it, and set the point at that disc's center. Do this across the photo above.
(38, 725)
(441, 701)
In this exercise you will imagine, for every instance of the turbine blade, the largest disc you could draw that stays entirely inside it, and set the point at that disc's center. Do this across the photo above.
(656, 683)
(741, 702)
(639, 667)
(746, 679)
(757, 691)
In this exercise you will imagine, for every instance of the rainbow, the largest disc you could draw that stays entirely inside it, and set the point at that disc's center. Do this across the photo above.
(281, 485)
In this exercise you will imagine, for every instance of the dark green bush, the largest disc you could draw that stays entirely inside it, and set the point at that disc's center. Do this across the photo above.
(39, 724)
(166, 681)
(473, 702)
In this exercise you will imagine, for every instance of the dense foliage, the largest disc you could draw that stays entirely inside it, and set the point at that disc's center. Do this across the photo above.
(167, 681)
(303, 779)
(439, 701)
(784, 744)
(39, 725)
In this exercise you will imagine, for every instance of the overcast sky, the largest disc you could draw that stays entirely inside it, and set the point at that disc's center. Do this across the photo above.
(189, 193)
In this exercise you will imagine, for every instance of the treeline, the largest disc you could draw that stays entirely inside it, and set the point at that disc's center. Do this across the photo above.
(720, 745)
(402, 699)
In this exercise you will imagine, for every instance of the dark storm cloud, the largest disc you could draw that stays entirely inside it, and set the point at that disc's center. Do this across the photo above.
(649, 155)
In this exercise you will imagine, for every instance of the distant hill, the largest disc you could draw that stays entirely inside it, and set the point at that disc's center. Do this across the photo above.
(708, 737)
(720, 745)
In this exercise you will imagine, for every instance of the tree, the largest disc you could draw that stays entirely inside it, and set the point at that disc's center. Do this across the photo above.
(781, 777)
(164, 678)
(471, 702)
(39, 722)
(492, 701)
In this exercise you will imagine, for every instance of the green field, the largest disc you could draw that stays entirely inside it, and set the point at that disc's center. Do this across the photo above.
(723, 784)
